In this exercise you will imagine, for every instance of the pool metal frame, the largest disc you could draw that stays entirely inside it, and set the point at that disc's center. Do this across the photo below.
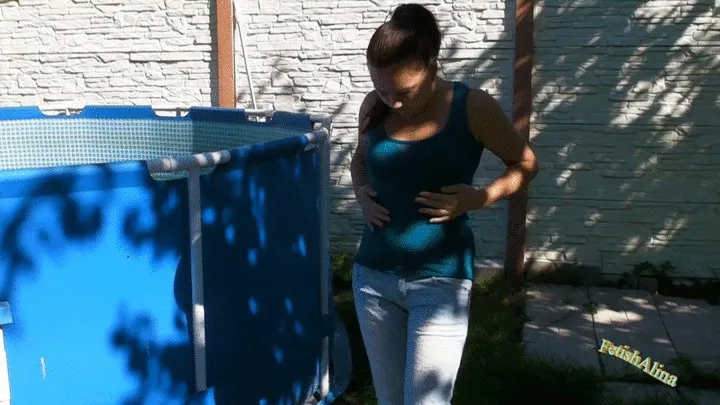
(319, 138)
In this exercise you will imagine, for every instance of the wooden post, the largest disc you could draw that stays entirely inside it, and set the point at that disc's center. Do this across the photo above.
(522, 108)
(224, 33)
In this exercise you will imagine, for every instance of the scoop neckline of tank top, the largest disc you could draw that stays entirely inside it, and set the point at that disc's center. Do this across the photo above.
(445, 125)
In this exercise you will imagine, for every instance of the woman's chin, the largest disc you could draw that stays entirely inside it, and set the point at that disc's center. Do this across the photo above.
(407, 113)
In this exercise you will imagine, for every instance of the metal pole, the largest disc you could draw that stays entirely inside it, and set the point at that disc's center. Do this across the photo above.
(321, 137)
(196, 275)
(236, 11)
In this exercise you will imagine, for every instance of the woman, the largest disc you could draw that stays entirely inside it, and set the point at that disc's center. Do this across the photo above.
(420, 142)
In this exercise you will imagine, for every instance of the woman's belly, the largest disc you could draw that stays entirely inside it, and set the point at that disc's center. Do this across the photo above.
(409, 234)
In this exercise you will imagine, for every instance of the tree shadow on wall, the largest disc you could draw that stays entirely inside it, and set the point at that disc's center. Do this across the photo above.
(114, 245)
(624, 130)
(310, 85)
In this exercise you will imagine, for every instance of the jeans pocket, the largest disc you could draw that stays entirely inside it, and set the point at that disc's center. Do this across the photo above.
(456, 283)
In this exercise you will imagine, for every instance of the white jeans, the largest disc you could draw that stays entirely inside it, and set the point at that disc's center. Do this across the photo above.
(414, 334)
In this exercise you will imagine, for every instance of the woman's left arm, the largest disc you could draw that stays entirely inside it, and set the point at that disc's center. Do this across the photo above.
(495, 132)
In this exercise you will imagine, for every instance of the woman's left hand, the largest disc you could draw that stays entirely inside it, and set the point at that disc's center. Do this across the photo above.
(452, 202)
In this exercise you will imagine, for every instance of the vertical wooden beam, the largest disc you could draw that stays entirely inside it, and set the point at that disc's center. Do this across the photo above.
(522, 108)
(224, 34)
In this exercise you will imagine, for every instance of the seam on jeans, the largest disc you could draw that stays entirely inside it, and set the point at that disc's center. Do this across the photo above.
(453, 280)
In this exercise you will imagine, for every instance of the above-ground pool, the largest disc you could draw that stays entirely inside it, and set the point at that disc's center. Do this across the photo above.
(152, 260)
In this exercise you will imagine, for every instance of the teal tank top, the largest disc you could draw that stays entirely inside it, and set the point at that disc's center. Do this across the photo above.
(408, 245)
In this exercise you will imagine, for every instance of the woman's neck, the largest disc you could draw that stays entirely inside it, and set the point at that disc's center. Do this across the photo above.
(438, 90)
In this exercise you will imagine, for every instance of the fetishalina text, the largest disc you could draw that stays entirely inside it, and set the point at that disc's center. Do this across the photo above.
(650, 367)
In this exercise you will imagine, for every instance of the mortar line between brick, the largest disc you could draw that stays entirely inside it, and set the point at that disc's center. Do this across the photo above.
(591, 124)
(617, 201)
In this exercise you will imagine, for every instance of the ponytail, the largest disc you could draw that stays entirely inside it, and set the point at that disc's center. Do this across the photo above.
(411, 35)
(374, 117)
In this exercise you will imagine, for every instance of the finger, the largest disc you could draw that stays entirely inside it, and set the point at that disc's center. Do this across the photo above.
(429, 202)
(434, 196)
(440, 219)
(369, 191)
(378, 223)
(381, 216)
(434, 212)
(441, 197)
(379, 208)
(455, 188)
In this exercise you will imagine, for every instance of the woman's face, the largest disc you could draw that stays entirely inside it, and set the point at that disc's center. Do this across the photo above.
(406, 88)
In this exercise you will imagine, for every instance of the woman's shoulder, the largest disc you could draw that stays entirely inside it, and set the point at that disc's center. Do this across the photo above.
(372, 112)
(480, 100)
(485, 115)
(370, 99)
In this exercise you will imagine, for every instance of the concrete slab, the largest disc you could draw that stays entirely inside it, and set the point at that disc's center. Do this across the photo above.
(700, 397)
(694, 329)
(559, 326)
(631, 392)
(550, 304)
(629, 318)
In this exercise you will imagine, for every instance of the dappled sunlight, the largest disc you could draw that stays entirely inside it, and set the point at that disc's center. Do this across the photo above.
(673, 226)
(557, 327)
(623, 125)
(641, 303)
(111, 238)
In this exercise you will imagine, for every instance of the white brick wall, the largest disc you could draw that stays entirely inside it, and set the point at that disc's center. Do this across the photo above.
(304, 55)
(61, 52)
(626, 129)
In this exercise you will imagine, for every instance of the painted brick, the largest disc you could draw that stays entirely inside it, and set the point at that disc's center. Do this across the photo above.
(109, 56)
(625, 127)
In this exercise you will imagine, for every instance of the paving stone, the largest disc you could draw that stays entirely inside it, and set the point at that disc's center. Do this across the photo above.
(630, 392)
(629, 318)
(701, 397)
(559, 325)
(694, 329)
(550, 304)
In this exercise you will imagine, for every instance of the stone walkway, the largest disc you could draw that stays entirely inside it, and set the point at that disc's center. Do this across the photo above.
(569, 323)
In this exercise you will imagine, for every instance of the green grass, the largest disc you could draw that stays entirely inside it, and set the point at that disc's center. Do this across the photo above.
(494, 369)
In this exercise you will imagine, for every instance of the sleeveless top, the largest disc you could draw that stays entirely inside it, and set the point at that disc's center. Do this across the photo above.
(409, 245)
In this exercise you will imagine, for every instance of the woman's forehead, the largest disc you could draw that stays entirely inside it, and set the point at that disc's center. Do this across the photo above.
(396, 77)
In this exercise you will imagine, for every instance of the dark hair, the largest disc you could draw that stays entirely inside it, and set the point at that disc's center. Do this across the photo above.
(411, 35)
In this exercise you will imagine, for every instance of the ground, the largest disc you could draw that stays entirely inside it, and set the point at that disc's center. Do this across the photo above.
(495, 369)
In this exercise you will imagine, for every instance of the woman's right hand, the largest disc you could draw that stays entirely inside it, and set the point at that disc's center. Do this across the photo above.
(375, 214)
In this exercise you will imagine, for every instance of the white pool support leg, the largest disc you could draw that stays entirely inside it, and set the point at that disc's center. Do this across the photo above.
(192, 164)
(322, 139)
(4, 374)
(5, 319)
(196, 275)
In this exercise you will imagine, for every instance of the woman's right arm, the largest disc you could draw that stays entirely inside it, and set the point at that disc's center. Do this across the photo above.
(358, 172)
(374, 214)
